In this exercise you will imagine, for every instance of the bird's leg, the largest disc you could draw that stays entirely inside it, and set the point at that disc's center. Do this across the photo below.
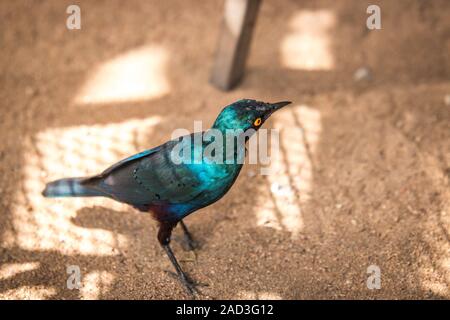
(164, 234)
(190, 242)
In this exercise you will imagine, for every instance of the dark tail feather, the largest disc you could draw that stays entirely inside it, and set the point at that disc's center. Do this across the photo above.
(71, 187)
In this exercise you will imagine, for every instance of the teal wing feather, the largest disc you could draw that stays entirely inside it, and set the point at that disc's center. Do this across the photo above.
(166, 181)
(130, 159)
(149, 177)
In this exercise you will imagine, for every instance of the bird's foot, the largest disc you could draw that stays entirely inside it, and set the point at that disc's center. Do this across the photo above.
(189, 285)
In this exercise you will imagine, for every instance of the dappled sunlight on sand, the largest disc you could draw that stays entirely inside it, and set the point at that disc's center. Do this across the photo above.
(435, 270)
(307, 46)
(291, 179)
(9, 270)
(262, 295)
(45, 224)
(28, 293)
(95, 284)
(136, 75)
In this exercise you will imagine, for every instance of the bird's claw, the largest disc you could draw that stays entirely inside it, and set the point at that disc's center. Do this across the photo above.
(189, 285)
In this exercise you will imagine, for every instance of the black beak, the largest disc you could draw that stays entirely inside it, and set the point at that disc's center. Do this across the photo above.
(278, 105)
(272, 107)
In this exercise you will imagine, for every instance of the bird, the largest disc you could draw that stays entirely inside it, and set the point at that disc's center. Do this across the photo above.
(167, 181)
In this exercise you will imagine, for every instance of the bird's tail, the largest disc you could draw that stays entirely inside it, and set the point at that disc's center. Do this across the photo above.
(71, 187)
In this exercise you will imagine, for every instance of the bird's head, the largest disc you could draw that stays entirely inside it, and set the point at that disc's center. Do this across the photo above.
(246, 114)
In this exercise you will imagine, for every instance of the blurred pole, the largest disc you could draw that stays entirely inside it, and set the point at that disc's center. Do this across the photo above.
(234, 42)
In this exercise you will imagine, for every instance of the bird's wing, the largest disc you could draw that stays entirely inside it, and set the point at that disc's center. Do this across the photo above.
(129, 159)
(150, 177)
(167, 181)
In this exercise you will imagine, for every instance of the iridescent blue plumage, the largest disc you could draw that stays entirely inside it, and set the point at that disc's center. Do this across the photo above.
(152, 181)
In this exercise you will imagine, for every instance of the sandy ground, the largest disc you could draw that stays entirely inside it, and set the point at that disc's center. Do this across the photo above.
(362, 177)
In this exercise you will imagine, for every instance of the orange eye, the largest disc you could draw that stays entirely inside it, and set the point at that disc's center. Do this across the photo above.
(257, 122)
